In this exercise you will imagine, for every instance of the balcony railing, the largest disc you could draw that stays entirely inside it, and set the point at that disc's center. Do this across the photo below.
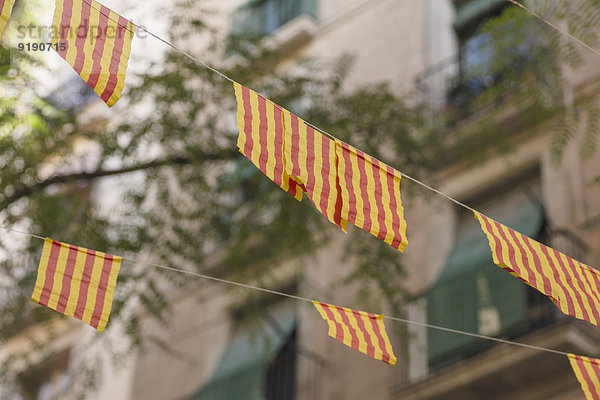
(480, 78)
(263, 17)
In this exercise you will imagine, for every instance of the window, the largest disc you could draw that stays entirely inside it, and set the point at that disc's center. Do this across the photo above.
(263, 17)
(473, 294)
(476, 53)
(259, 363)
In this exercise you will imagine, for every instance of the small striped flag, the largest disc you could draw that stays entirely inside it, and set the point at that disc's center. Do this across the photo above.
(572, 286)
(371, 195)
(98, 44)
(261, 137)
(587, 372)
(77, 282)
(311, 160)
(6, 7)
(360, 330)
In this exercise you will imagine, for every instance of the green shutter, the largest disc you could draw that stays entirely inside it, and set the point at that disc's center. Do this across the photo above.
(471, 11)
(242, 370)
(472, 294)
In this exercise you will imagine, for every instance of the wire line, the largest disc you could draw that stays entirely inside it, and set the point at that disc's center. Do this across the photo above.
(300, 298)
(553, 25)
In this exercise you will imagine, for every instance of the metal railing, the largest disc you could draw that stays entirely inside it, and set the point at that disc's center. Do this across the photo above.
(263, 17)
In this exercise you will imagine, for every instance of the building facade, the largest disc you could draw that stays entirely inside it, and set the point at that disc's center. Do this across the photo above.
(423, 49)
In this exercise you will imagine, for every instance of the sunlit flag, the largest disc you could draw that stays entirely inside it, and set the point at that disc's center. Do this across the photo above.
(572, 286)
(371, 195)
(310, 159)
(96, 42)
(261, 137)
(360, 330)
(77, 282)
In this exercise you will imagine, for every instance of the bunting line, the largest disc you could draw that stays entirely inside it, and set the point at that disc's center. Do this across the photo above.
(300, 298)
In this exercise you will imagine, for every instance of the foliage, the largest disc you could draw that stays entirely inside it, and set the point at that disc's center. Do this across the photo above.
(186, 198)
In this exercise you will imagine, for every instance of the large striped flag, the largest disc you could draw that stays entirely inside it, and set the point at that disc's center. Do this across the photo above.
(77, 282)
(371, 195)
(261, 137)
(572, 286)
(360, 330)
(587, 372)
(311, 160)
(98, 44)
(6, 7)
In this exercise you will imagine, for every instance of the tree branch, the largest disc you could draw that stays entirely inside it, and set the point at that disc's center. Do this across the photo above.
(100, 173)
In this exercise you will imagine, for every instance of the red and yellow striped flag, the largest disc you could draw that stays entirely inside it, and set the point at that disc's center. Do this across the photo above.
(98, 44)
(311, 160)
(371, 195)
(77, 282)
(572, 286)
(261, 137)
(587, 372)
(360, 330)
(6, 7)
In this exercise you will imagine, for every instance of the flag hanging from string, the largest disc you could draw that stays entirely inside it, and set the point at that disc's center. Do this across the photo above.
(311, 160)
(77, 282)
(360, 330)
(6, 7)
(261, 137)
(96, 42)
(587, 372)
(574, 287)
(371, 195)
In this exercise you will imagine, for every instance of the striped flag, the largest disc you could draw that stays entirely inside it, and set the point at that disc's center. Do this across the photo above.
(371, 195)
(77, 282)
(261, 137)
(587, 372)
(98, 44)
(6, 7)
(311, 160)
(572, 286)
(360, 330)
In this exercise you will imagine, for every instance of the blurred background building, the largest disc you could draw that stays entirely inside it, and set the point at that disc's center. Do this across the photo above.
(433, 52)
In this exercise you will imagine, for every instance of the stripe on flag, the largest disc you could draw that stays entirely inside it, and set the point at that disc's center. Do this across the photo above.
(311, 160)
(260, 139)
(572, 286)
(360, 330)
(6, 7)
(371, 195)
(77, 282)
(98, 44)
(587, 372)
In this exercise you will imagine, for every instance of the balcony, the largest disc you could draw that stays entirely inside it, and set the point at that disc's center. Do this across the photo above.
(473, 368)
(487, 74)
(264, 17)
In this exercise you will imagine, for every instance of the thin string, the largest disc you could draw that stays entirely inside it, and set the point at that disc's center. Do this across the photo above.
(22, 233)
(224, 76)
(476, 335)
(212, 278)
(553, 25)
(291, 296)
